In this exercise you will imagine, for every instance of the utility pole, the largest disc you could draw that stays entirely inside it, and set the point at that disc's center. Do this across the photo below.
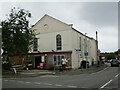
(86, 49)
(97, 46)
(85, 45)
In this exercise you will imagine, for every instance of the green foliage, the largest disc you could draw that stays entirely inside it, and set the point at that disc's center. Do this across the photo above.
(17, 38)
(110, 56)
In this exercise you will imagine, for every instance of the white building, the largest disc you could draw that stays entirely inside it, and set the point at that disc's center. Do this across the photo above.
(57, 39)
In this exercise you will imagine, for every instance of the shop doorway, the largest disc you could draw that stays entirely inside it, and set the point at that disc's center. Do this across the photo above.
(37, 61)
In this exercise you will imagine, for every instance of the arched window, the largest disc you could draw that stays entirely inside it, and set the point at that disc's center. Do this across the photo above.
(58, 42)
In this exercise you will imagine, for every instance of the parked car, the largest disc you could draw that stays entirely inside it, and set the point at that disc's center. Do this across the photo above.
(109, 61)
(119, 62)
(115, 62)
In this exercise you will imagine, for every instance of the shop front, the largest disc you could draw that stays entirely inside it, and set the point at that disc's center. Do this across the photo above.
(49, 60)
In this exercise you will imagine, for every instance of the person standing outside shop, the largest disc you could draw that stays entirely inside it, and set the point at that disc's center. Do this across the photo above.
(64, 63)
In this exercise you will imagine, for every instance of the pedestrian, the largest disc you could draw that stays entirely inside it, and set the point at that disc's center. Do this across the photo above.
(64, 63)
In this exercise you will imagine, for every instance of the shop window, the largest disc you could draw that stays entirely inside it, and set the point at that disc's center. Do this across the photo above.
(58, 59)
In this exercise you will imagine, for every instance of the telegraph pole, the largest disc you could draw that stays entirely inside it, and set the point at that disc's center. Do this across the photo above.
(86, 49)
(85, 45)
(97, 46)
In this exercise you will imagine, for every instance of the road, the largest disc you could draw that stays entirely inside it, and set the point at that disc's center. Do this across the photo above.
(107, 78)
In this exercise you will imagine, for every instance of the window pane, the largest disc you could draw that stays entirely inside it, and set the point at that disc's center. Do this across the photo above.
(59, 60)
(55, 60)
(58, 42)
(35, 46)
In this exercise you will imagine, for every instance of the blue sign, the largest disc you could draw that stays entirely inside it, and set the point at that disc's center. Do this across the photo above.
(77, 50)
(86, 53)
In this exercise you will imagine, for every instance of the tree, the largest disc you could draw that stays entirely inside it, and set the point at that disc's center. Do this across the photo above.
(110, 55)
(17, 37)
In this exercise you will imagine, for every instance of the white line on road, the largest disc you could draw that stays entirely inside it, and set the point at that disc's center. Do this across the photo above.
(72, 86)
(58, 85)
(106, 84)
(47, 84)
(117, 75)
(27, 82)
(37, 82)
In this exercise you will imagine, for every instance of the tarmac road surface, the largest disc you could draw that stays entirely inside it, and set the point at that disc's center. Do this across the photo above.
(107, 78)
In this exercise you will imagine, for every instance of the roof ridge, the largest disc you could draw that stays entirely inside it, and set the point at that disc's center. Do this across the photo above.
(56, 19)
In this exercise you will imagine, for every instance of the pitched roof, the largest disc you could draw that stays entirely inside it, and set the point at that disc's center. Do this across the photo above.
(65, 24)
(50, 17)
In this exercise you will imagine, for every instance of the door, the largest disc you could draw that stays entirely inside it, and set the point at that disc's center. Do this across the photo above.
(32, 59)
(37, 61)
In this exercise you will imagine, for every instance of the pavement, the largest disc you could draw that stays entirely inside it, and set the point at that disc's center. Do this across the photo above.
(90, 70)
(38, 73)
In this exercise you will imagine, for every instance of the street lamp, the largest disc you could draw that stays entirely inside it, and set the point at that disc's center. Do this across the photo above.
(97, 47)
(86, 45)
(86, 53)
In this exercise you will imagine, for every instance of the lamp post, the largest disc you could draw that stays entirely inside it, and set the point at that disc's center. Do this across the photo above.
(86, 49)
(97, 47)
(85, 46)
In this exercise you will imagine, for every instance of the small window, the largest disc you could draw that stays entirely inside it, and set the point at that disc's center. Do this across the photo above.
(80, 43)
(58, 42)
(35, 46)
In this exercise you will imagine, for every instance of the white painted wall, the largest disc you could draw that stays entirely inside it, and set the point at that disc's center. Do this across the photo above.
(70, 39)
(91, 49)
(53, 25)
(47, 41)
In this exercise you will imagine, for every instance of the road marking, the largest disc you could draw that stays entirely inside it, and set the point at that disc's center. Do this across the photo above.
(37, 82)
(58, 85)
(27, 82)
(106, 84)
(117, 75)
(47, 84)
(72, 86)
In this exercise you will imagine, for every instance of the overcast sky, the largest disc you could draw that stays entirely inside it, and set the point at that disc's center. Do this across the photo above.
(86, 17)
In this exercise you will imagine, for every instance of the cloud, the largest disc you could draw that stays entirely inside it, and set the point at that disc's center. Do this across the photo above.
(87, 17)
(100, 13)
(108, 39)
